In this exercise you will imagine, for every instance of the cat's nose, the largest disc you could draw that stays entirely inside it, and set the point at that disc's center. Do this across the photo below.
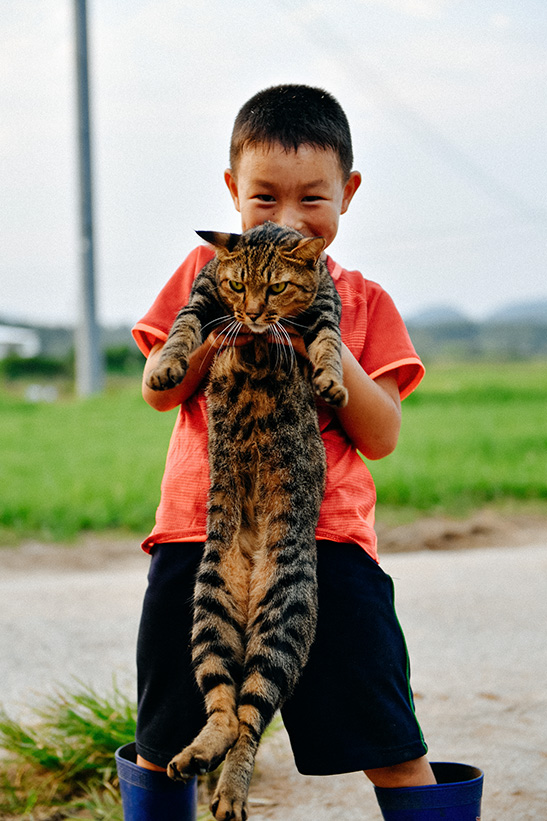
(253, 315)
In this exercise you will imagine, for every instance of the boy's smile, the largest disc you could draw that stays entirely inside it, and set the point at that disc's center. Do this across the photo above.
(303, 189)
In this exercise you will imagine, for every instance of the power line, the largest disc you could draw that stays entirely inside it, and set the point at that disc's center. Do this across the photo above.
(434, 141)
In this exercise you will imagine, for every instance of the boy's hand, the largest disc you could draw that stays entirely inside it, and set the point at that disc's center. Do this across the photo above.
(200, 362)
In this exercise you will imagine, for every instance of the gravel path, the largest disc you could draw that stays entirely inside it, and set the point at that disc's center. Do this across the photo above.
(475, 625)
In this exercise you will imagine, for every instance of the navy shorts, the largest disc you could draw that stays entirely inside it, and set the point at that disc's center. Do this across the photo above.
(352, 708)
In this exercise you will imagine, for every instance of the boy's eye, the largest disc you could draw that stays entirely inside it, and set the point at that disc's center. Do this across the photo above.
(278, 287)
(265, 198)
(237, 286)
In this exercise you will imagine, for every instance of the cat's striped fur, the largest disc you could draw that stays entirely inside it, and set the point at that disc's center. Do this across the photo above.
(255, 599)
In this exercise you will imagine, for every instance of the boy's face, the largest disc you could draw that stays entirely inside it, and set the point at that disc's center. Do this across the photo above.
(303, 189)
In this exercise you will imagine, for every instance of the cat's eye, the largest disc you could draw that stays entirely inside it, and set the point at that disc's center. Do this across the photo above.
(278, 287)
(236, 286)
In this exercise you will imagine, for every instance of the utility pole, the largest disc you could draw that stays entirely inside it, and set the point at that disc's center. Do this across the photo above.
(89, 360)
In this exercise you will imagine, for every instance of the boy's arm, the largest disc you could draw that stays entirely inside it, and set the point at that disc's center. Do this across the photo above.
(372, 417)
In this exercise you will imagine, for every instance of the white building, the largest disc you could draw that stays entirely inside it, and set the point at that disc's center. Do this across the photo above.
(23, 342)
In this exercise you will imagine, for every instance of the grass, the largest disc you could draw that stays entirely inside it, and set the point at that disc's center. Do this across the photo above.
(63, 758)
(60, 763)
(472, 435)
(77, 465)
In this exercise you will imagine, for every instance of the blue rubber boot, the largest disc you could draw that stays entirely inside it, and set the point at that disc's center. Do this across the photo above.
(152, 796)
(455, 797)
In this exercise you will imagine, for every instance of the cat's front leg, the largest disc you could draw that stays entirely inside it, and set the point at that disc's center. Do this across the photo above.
(184, 337)
(327, 379)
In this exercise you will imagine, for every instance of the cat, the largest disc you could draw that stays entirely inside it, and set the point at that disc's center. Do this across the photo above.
(255, 601)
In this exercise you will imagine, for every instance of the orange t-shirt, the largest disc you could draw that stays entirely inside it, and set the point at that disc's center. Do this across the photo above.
(374, 332)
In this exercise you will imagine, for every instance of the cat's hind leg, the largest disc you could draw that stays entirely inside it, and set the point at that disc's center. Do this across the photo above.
(218, 652)
(282, 615)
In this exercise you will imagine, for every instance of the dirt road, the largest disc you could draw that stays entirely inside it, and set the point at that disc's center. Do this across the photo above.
(475, 622)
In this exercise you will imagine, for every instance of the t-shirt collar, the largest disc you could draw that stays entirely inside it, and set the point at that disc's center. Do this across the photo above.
(334, 268)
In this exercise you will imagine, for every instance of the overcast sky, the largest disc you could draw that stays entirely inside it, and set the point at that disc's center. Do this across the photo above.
(448, 106)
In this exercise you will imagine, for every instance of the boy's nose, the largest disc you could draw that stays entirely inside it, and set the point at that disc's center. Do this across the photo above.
(291, 217)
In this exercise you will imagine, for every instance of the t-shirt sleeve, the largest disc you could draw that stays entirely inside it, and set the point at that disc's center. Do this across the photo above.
(156, 323)
(388, 347)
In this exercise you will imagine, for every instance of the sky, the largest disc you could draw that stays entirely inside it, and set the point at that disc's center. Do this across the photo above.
(447, 101)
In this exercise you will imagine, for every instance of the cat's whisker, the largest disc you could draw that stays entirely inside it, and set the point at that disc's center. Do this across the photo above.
(282, 327)
(275, 337)
(287, 348)
(236, 331)
(230, 335)
(290, 321)
(227, 331)
(216, 321)
(290, 354)
(230, 331)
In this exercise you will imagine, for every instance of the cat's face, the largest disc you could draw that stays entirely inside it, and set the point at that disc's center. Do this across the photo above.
(259, 296)
(270, 275)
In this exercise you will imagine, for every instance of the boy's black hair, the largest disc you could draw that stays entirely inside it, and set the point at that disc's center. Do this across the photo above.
(293, 115)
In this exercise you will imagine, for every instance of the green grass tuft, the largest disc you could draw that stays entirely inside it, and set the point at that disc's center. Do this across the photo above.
(64, 756)
(60, 764)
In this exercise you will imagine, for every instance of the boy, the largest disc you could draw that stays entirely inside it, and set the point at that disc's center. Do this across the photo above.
(291, 163)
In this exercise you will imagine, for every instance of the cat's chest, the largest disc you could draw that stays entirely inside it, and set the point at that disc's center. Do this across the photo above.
(240, 388)
(242, 396)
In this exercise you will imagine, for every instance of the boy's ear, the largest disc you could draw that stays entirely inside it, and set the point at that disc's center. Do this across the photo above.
(224, 243)
(306, 250)
(350, 188)
(230, 181)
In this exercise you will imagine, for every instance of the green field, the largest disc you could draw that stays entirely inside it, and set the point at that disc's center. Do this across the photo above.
(473, 435)
(77, 465)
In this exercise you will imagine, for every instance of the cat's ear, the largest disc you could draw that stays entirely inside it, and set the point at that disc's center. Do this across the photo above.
(224, 243)
(307, 249)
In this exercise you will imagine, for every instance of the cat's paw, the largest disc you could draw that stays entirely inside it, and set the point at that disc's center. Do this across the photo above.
(227, 804)
(205, 752)
(189, 763)
(166, 375)
(330, 389)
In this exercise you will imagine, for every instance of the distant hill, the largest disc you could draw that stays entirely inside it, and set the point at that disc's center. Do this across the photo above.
(522, 312)
(438, 315)
(517, 331)
(514, 312)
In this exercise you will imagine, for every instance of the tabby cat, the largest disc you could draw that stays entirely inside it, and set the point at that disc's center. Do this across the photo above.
(255, 601)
